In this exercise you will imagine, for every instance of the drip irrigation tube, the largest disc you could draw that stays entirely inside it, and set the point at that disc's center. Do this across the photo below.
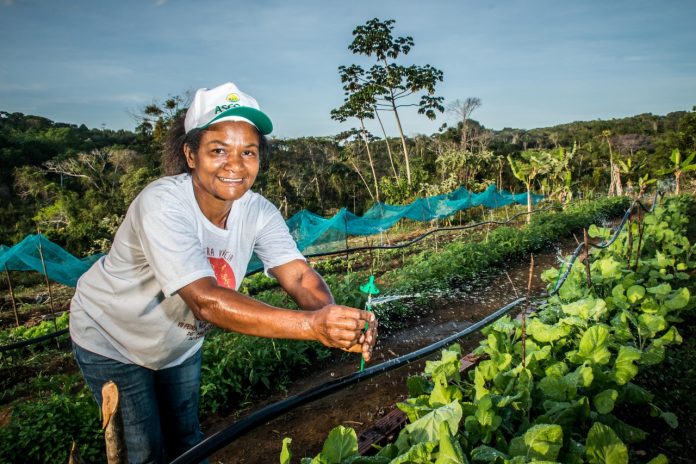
(430, 232)
(578, 249)
(222, 438)
(32, 341)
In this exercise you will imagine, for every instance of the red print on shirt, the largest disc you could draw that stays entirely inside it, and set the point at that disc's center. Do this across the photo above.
(223, 272)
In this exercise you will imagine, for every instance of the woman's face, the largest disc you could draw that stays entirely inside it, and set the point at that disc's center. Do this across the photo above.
(226, 163)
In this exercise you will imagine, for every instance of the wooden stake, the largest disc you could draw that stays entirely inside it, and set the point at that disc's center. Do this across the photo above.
(50, 294)
(345, 232)
(587, 258)
(112, 424)
(641, 228)
(12, 297)
(630, 243)
(75, 457)
(524, 314)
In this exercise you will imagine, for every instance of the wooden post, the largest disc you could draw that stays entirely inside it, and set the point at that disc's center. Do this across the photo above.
(587, 258)
(630, 242)
(74, 457)
(641, 228)
(524, 313)
(112, 424)
(345, 231)
(12, 297)
(50, 294)
(372, 258)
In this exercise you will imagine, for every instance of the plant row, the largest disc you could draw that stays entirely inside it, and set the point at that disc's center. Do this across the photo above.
(228, 379)
(556, 386)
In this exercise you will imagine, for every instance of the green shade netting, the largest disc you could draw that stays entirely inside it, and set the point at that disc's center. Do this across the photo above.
(313, 233)
(61, 266)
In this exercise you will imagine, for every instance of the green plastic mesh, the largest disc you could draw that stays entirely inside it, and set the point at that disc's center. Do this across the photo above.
(313, 233)
(61, 266)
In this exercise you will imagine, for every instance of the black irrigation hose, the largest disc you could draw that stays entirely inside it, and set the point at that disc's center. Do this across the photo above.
(224, 437)
(227, 435)
(419, 238)
(430, 232)
(314, 255)
(578, 249)
(32, 341)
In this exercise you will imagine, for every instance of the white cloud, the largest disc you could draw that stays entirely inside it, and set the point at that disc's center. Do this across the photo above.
(638, 58)
(5, 87)
(104, 97)
(160, 2)
(100, 69)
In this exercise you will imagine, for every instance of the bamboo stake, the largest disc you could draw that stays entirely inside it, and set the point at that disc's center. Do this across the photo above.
(524, 313)
(112, 424)
(50, 293)
(12, 297)
(587, 258)
(630, 242)
(75, 457)
(641, 228)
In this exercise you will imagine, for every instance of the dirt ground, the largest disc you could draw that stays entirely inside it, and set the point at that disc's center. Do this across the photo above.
(361, 405)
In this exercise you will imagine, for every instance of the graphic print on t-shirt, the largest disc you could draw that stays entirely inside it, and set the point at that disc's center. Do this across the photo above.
(223, 272)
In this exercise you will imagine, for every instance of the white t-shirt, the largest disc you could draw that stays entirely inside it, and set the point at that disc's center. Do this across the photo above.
(126, 307)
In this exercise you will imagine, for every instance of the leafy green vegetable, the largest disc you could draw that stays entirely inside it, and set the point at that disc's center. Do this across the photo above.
(541, 442)
(604, 446)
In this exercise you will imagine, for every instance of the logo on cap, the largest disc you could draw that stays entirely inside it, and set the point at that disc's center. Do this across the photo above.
(233, 97)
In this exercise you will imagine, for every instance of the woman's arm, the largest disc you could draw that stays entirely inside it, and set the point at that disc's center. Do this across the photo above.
(303, 284)
(333, 325)
(310, 292)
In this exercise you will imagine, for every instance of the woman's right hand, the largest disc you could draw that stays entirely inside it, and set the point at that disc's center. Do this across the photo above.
(342, 327)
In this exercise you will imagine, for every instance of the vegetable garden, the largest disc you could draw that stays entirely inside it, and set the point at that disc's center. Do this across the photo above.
(576, 380)
(555, 386)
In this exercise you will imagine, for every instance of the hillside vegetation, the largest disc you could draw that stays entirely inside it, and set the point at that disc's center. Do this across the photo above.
(74, 183)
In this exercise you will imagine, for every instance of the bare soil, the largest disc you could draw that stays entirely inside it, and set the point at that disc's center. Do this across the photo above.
(361, 405)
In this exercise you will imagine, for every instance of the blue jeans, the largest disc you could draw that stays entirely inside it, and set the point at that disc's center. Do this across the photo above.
(159, 408)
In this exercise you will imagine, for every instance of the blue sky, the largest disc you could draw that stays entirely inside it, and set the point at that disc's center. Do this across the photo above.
(532, 63)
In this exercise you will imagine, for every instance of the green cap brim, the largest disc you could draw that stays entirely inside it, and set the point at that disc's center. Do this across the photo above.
(261, 121)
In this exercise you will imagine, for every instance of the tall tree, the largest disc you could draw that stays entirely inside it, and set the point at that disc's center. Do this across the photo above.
(615, 187)
(360, 104)
(531, 164)
(679, 166)
(463, 110)
(389, 82)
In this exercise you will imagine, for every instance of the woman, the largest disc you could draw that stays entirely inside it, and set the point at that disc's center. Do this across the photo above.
(139, 314)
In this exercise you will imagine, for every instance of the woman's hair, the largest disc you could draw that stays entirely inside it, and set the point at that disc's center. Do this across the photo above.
(173, 157)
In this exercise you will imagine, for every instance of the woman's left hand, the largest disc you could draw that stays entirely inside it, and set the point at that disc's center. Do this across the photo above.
(366, 342)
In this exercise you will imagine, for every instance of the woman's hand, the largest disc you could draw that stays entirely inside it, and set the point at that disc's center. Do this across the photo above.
(343, 327)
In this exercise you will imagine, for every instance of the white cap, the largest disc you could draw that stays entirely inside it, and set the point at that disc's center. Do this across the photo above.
(225, 103)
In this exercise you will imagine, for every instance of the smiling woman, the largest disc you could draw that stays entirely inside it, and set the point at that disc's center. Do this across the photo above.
(224, 167)
(140, 314)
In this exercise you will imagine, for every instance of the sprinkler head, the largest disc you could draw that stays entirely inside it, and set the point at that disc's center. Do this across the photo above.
(370, 288)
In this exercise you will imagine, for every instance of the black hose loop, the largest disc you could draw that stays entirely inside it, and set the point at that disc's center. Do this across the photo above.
(222, 438)
(32, 341)
(576, 253)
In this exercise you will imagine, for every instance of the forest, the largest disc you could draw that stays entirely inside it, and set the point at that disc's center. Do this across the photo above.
(74, 184)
